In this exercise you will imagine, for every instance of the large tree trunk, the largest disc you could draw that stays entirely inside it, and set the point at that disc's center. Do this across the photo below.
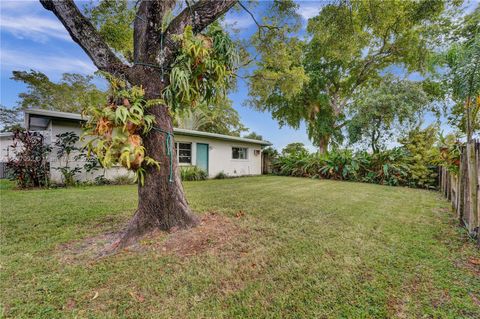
(161, 201)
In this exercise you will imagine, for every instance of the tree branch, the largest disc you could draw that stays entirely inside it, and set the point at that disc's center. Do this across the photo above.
(260, 26)
(84, 33)
(199, 16)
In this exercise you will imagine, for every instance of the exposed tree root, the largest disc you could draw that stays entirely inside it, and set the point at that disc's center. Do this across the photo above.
(213, 232)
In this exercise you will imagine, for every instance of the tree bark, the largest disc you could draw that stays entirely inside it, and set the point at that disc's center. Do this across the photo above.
(161, 202)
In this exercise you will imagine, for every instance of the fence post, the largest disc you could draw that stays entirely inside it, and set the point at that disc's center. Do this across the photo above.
(472, 181)
(463, 190)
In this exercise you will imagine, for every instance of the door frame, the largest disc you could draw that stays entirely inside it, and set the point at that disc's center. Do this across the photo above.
(208, 154)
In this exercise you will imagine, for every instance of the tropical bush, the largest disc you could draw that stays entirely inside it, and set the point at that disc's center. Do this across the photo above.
(422, 156)
(193, 173)
(221, 175)
(123, 180)
(29, 167)
(65, 144)
(395, 167)
(450, 152)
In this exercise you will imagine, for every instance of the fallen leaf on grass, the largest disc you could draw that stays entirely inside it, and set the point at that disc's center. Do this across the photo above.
(475, 261)
(70, 304)
(475, 299)
(137, 297)
(95, 296)
(240, 214)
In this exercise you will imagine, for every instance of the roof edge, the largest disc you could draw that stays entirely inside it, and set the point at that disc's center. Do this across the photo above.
(181, 131)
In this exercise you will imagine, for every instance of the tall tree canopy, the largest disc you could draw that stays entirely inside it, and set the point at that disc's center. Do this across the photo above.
(462, 77)
(219, 118)
(71, 94)
(254, 136)
(348, 45)
(381, 110)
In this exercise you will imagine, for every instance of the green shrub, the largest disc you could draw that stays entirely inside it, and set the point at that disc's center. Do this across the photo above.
(192, 173)
(221, 175)
(395, 167)
(423, 156)
(123, 180)
(340, 165)
(102, 180)
(29, 166)
(386, 167)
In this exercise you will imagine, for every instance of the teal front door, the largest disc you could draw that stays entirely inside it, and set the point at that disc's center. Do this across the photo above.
(202, 156)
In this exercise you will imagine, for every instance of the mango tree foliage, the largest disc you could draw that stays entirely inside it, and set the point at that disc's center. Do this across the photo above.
(463, 75)
(72, 93)
(381, 111)
(348, 45)
(294, 149)
(114, 21)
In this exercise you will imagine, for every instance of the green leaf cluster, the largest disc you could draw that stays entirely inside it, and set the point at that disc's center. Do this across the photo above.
(423, 155)
(114, 130)
(113, 20)
(72, 93)
(381, 110)
(203, 70)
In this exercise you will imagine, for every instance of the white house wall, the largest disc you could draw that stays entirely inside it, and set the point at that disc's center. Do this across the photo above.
(6, 150)
(220, 156)
(59, 127)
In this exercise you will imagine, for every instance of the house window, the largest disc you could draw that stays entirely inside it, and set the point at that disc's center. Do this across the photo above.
(184, 153)
(239, 152)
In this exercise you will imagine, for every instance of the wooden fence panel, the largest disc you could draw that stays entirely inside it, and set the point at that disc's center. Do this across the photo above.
(457, 189)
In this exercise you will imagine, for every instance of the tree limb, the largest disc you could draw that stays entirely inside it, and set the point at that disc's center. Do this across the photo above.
(85, 34)
(260, 26)
(199, 16)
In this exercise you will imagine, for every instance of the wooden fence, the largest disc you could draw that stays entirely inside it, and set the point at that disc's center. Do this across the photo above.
(462, 189)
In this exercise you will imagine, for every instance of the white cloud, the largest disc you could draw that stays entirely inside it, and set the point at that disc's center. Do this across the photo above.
(309, 9)
(29, 20)
(17, 5)
(33, 27)
(18, 60)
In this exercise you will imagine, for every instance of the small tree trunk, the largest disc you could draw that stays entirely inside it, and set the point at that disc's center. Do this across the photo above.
(161, 202)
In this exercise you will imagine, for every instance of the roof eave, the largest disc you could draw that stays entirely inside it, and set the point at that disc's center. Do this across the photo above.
(79, 117)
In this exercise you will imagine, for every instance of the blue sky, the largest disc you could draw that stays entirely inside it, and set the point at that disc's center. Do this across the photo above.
(32, 38)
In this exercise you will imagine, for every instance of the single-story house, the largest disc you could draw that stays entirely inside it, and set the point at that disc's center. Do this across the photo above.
(214, 153)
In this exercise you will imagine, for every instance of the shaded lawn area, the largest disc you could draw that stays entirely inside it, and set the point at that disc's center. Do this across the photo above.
(309, 248)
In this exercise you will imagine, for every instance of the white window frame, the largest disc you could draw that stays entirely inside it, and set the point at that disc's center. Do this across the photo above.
(246, 153)
(177, 148)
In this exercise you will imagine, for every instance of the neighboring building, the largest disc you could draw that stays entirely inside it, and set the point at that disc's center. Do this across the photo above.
(214, 153)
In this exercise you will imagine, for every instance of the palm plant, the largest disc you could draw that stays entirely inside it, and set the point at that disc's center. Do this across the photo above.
(191, 119)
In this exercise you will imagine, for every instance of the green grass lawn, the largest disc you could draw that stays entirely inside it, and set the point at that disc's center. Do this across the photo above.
(306, 249)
